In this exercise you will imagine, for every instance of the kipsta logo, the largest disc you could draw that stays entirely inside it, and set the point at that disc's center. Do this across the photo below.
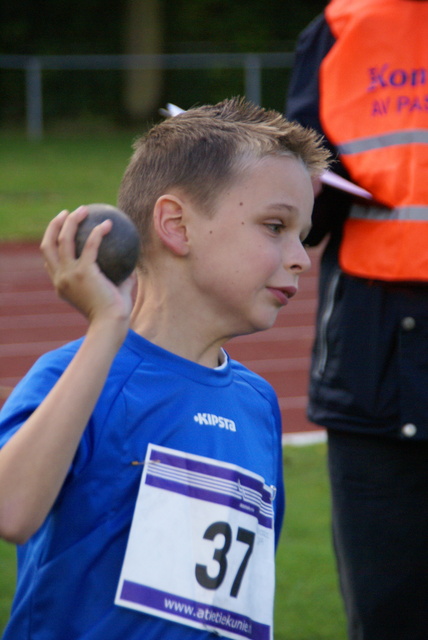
(215, 421)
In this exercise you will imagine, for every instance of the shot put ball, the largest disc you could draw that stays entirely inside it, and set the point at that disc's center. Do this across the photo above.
(119, 249)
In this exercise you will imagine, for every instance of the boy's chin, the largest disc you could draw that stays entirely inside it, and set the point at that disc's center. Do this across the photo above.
(263, 324)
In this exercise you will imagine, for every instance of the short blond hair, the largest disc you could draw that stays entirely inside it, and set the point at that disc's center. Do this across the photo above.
(203, 150)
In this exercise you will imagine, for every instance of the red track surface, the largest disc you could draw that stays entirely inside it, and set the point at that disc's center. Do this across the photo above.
(33, 320)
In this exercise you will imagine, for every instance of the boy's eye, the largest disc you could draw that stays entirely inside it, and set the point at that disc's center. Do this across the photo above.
(275, 227)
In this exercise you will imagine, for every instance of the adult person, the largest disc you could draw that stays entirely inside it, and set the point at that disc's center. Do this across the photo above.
(361, 79)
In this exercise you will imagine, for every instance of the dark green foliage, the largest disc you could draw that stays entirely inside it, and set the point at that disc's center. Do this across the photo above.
(82, 26)
(97, 27)
(193, 26)
(28, 27)
(241, 25)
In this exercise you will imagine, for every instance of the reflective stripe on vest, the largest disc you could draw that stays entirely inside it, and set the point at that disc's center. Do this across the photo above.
(374, 109)
(372, 212)
(382, 141)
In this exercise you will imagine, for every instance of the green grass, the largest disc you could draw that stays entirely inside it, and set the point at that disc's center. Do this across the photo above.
(39, 179)
(308, 605)
(7, 580)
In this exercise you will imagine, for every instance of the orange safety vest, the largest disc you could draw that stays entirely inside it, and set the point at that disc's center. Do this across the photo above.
(374, 109)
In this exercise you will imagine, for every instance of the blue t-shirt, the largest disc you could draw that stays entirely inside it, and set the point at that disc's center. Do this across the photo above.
(69, 570)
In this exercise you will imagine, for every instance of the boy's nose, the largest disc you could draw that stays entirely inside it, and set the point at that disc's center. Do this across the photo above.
(298, 260)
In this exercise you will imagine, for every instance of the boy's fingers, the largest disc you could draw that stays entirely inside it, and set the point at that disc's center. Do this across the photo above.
(49, 243)
(65, 241)
(93, 241)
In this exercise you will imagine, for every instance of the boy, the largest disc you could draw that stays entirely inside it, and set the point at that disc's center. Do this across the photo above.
(222, 197)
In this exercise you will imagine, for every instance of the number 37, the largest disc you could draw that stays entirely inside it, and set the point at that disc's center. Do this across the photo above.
(220, 556)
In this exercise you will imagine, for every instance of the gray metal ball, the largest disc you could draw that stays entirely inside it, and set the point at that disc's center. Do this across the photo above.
(120, 248)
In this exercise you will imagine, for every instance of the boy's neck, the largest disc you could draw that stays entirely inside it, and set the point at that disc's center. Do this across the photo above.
(168, 323)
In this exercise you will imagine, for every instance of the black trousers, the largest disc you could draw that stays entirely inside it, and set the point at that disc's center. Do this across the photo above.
(379, 492)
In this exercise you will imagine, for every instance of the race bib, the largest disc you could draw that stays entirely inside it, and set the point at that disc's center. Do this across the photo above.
(201, 546)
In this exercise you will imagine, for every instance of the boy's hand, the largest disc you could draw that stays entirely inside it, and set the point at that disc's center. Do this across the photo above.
(79, 281)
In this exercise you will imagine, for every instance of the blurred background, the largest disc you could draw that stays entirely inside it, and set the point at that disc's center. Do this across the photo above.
(35, 38)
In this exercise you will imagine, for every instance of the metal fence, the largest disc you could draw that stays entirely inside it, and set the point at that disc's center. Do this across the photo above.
(252, 65)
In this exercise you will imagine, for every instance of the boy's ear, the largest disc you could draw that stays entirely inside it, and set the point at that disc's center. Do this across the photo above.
(169, 224)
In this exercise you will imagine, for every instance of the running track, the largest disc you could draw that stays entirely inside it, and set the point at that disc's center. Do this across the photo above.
(33, 320)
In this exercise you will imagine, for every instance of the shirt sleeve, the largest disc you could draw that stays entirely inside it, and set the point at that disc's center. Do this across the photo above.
(29, 393)
(279, 500)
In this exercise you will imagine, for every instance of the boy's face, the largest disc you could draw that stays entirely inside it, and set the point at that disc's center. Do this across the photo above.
(249, 255)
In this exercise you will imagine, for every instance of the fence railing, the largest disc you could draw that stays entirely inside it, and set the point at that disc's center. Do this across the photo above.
(252, 65)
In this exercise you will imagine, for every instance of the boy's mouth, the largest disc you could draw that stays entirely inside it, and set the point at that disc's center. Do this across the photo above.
(283, 294)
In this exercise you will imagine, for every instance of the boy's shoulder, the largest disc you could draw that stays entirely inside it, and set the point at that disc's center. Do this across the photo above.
(254, 380)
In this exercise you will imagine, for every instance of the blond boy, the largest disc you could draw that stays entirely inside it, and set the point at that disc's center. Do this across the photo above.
(149, 404)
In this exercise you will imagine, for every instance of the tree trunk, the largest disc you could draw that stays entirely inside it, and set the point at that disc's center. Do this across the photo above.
(143, 35)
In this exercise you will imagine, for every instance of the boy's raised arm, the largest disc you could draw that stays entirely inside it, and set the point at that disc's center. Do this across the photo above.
(34, 463)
